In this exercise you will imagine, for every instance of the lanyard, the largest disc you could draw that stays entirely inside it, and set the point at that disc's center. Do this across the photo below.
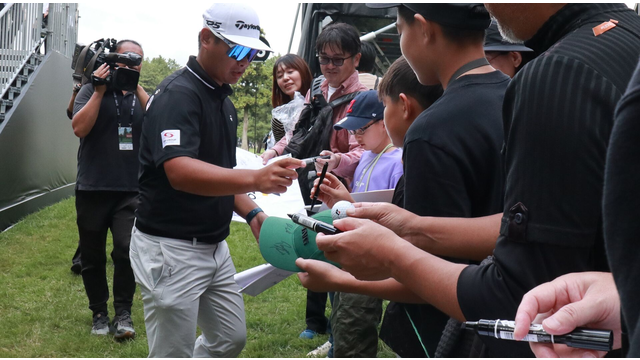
(133, 104)
(370, 167)
(469, 66)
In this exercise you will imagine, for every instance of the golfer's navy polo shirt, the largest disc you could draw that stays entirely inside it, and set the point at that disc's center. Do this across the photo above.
(558, 113)
(189, 115)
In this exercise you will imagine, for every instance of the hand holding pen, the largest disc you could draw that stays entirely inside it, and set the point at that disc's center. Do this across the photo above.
(313, 224)
(316, 190)
(327, 157)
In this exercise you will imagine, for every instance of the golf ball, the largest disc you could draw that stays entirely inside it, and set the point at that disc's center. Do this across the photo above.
(339, 209)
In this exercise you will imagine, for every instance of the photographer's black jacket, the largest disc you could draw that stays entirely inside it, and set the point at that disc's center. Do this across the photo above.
(188, 115)
(101, 164)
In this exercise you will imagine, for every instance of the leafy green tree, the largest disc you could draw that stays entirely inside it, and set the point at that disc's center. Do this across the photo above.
(252, 97)
(155, 70)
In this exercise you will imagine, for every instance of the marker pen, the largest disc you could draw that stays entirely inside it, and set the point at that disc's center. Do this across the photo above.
(315, 195)
(313, 224)
(583, 338)
(311, 160)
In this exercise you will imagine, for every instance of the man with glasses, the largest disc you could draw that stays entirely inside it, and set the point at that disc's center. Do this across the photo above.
(338, 48)
(189, 190)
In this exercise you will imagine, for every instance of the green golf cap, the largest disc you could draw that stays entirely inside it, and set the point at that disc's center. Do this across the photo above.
(282, 241)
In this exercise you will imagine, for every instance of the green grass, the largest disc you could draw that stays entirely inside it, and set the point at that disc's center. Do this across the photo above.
(44, 309)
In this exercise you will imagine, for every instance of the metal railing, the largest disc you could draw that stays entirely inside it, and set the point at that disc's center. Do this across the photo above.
(62, 28)
(22, 33)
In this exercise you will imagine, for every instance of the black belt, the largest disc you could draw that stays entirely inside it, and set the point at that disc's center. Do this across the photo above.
(201, 239)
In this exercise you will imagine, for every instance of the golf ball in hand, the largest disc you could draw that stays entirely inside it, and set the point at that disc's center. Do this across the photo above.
(339, 210)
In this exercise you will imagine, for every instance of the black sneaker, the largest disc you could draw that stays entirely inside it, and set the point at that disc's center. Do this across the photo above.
(100, 324)
(122, 327)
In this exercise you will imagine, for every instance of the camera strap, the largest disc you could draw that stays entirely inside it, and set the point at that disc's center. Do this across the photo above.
(89, 68)
(133, 104)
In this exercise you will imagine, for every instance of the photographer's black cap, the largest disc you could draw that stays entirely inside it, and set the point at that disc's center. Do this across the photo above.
(461, 16)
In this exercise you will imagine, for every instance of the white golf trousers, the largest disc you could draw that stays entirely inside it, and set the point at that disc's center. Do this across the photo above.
(183, 285)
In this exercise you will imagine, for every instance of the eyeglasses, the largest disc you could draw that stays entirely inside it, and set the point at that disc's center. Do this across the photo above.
(237, 51)
(497, 54)
(325, 60)
(361, 131)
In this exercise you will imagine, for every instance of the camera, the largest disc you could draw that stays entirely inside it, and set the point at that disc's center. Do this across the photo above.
(87, 59)
(119, 78)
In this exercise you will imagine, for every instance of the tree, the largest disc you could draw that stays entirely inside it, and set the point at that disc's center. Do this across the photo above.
(155, 70)
(252, 97)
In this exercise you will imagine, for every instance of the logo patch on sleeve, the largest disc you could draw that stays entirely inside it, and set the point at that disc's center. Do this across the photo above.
(170, 137)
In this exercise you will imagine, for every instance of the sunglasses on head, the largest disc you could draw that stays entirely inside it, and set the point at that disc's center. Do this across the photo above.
(236, 51)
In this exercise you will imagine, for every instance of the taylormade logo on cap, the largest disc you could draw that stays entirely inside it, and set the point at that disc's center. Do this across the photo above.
(241, 25)
(237, 23)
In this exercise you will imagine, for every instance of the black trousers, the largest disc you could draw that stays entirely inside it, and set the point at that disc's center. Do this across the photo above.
(97, 212)
(315, 318)
(76, 256)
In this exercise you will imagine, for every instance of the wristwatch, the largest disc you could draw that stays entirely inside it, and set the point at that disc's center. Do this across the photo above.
(252, 214)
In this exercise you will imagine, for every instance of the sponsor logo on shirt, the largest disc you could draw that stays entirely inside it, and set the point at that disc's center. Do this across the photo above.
(170, 138)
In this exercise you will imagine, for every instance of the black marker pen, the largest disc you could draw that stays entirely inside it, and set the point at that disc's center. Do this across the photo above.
(311, 160)
(313, 224)
(583, 338)
(315, 195)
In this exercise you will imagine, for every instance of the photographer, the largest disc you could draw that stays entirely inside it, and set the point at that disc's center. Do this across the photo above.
(108, 123)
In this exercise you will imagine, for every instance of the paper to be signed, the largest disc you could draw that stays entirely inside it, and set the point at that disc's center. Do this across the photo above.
(258, 279)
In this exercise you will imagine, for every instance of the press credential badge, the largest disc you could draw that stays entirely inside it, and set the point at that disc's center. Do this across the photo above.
(125, 137)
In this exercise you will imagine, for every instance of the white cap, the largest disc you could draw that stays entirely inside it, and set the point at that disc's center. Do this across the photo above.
(237, 23)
